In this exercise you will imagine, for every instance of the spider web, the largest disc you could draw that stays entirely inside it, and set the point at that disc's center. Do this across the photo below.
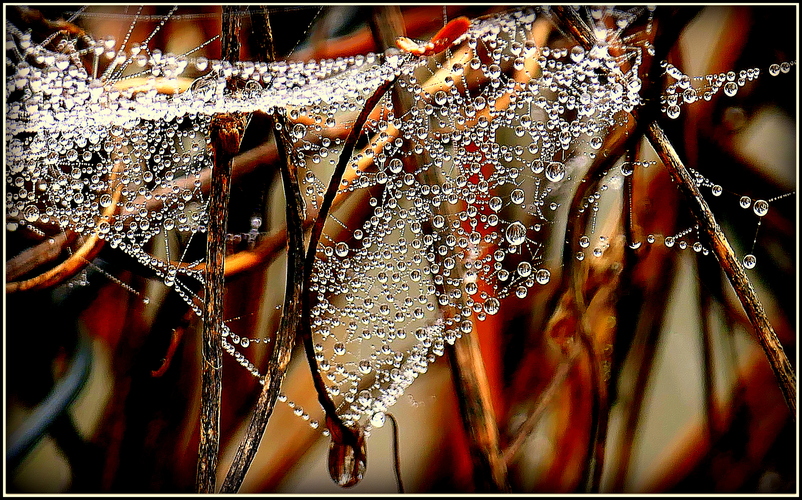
(459, 176)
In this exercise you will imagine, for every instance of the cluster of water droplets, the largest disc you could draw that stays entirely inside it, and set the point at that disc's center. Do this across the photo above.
(458, 186)
(458, 172)
(683, 91)
(458, 183)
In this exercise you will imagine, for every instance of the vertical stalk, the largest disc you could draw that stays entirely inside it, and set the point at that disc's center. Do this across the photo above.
(284, 340)
(290, 323)
(226, 133)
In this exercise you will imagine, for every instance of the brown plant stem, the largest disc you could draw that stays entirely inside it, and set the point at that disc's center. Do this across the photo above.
(543, 401)
(226, 132)
(284, 339)
(732, 267)
(478, 416)
(339, 430)
(225, 141)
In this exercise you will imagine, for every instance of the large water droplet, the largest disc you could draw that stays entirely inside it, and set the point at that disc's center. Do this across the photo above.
(761, 208)
(555, 171)
(341, 249)
(347, 454)
(516, 233)
(492, 306)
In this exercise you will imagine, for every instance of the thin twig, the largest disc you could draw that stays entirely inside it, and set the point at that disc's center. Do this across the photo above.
(347, 444)
(396, 456)
(732, 267)
(284, 339)
(226, 132)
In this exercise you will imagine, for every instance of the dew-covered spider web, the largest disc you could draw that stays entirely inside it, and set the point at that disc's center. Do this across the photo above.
(460, 171)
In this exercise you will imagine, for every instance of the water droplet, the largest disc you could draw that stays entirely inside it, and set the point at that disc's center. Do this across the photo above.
(717, 190)
(543, 276)
(730, 88)
(584, 241)
(396, 165)
(555, 171)
(31, 213)
(492, 306)
(524, 269)
(673, 112)
(761, 208)
(749, 261)
(378, 419)
(347, 454)
(669, 241)
(516, 233)
(341, 249)
(745, 202)
(577, 53)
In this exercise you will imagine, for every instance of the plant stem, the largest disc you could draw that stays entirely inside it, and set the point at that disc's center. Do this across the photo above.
(525, 430)
(339, 432)
(226, 133)
(284, 339)
(290, 322)
(396, 456)
(732, 267)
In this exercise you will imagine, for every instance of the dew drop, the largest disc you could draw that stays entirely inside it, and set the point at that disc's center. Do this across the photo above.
(555, 171)
(717, 190)
(492, 306)
(761, 208)
(673, 112)
(745, 202)
(31, 213)
(396, 165)
(378, 419)
(730, 88)
(749, 261)
(347, 455)
(341, 249)
(515, 233)
(517, 196)
(543, 276)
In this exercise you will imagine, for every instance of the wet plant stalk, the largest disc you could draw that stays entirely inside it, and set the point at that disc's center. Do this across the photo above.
(226, 133)
(732, 267)
(284, 339)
